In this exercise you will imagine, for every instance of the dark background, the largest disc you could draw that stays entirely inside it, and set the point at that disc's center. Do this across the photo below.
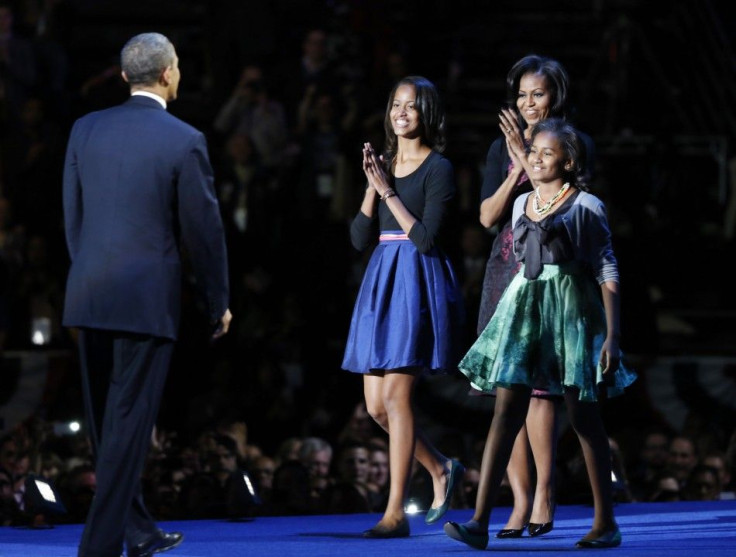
(652, 82)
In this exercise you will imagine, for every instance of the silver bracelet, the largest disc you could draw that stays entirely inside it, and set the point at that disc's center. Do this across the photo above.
(388, 193)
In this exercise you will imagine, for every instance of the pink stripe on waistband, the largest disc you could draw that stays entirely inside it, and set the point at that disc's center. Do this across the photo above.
(389, 237)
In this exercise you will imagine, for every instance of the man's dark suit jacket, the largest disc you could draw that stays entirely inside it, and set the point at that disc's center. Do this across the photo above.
(138, 186)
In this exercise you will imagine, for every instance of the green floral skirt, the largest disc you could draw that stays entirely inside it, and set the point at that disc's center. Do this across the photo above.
(547, 334)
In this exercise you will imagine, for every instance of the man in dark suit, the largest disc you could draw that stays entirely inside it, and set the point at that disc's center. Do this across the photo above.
(138, 187)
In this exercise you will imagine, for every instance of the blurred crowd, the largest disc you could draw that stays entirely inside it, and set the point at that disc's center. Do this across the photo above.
(220, 474)
(285, 126)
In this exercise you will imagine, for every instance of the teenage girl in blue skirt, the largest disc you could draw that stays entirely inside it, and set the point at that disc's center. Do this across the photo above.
(408, 315)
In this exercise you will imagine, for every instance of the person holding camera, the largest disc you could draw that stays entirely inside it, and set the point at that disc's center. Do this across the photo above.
(250, 110)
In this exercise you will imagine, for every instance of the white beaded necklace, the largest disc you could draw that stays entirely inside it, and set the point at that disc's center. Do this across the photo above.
(547, 206)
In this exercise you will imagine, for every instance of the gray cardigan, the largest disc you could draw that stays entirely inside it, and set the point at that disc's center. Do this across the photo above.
(587, 225)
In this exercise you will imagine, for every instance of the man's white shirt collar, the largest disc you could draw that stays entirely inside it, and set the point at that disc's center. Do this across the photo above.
(154, 96)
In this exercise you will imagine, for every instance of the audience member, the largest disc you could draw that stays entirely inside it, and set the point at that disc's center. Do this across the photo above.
(326, 179)
(291, 492)
(249, 201)
(20, 473)
(378, 477)
(683, 457)
(223, 461)
(51, 466)
(315, 454)
(350, 491)
(49, 25)
(18, 64)
(359, 426)
(298, 71)
(664, 488)
(33, 153)
(251, 111)
(76, 488)
(261, 472)
(201, 497)
(237, 430)
(288, 449)
(717, 460)
(651, 461)
(8, 453)
(9, 511)
(703, 484)
(39, 298)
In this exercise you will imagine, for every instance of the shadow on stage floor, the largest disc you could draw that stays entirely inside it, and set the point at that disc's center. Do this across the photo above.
(652, 529)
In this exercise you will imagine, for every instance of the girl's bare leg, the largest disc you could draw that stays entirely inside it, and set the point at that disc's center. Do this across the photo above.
(520, 479)
(542, 429)
(586, 419)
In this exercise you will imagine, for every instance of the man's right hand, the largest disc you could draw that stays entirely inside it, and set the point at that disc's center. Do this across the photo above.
(224, 325)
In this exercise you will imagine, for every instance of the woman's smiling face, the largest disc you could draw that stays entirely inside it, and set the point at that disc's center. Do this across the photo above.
(534, 98)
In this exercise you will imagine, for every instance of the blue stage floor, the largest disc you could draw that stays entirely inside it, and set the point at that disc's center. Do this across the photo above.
(651, 529)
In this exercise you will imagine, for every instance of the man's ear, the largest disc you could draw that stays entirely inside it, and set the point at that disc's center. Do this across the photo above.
(125, 77)
(165, 78)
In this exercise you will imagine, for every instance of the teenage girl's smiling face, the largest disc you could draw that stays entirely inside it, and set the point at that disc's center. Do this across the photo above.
(404, 114)
(534, 98)
(546, 158)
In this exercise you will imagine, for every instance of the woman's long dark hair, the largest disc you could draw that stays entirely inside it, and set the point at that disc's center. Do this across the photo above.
(431, 116)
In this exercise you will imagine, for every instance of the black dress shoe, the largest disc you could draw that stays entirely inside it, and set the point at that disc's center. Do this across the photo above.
(540, 529)
(163, 541)
(401, 530)
(510, 533)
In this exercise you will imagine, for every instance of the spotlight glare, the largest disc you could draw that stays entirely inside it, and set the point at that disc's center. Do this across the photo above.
(249, 484)
(45, 490)
(40, 498)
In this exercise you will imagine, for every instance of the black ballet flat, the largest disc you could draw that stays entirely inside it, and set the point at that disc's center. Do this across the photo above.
(536, 529)
(401, 530)
(467, 533)
(510, 533)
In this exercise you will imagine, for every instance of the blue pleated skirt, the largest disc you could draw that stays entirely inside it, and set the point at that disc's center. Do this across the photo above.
(547, 334)
(409, 311)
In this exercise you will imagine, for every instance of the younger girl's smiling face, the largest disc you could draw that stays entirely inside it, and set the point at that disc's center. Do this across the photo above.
(546, 157)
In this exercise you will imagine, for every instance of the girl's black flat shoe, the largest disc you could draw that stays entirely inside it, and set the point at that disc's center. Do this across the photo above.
(401, 530)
